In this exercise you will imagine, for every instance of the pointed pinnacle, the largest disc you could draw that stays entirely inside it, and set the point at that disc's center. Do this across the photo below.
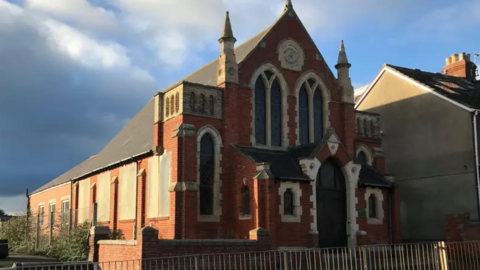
(288, 4)
(342, 55)
(227, 28)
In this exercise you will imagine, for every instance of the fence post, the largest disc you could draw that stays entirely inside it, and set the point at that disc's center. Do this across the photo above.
(442, 255)
(285, 261)
(364, 255)
(196, 263)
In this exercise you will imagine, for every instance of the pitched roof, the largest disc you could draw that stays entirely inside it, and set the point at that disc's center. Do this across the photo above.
(454, 88)
(134, 139)
(373, 178)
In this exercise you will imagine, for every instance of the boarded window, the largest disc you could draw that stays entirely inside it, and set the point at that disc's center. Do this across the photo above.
(303, 117)
(245, 201)
(103, 197)
(83, 200)
(276, 113)
(317, 115)
(288, 203)
(260, 112)
(153, 182)
(207, 172)
(128, 187)
(164, 185)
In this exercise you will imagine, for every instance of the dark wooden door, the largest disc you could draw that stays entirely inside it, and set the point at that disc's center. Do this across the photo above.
(331, 206)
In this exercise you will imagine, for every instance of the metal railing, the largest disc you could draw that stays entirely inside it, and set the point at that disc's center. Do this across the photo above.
(424, 256)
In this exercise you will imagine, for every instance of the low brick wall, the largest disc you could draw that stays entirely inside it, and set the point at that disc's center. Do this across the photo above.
(149, 246)
(461, 229)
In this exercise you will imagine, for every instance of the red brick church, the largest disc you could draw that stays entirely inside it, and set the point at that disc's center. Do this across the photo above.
(263, 136)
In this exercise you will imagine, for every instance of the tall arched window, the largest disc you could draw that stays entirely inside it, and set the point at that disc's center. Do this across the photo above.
(288, 202)
(177, 102)
(167, 107)
(207, 172)
(202, 103)
(372, 206)
(260, 112)
(304, 122)
(245, 201)
(172, 104)
(362, 158)
(276, 113)
(317, 115)
(212, 103)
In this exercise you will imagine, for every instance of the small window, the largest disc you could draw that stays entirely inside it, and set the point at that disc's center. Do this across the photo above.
(288, 206)
(51, 215)
(193, 101)
(245, 201)
(212, 104)
(202, 103)
(372, 206)
(172, 105)
(362, 158)
(177, 102)
(65, 215)
(167, 107)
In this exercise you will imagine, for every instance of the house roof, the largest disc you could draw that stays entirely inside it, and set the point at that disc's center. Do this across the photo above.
(137, 136)
(134, 139)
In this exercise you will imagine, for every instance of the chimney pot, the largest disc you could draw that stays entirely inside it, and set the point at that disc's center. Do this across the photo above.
(461, 56)
(467, 57)
(448, 60)
(454, 58)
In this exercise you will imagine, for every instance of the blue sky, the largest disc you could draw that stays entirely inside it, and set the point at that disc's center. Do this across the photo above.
(73, 72)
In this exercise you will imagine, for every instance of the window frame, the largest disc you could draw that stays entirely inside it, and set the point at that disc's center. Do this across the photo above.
(41, 216)
(380, 212)
(65, 213)
(368, 154)
(246, 210)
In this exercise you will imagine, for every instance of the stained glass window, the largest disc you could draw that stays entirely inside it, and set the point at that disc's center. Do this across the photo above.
(372, 206)
(317, 115)
(303, 117)
(288, 204)
(260, 112)
(311, 83)
(276, 114)
(268, 74)
(207, 171)
(245, 201)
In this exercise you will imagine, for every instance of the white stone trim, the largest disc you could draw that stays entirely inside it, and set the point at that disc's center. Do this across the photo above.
(379, 200)
(292, 45)
(325, 98)
(217, 185)
(260, 71)
(363, 148)
(297, 194)
(65, 198)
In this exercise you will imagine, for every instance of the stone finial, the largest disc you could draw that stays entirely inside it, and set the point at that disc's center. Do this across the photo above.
(288, 4)
(227, 28)
(342, 55)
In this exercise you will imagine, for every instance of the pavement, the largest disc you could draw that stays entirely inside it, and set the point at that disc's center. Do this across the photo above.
(14, 257)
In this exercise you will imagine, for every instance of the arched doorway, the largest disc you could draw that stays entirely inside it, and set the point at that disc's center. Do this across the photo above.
(331, 205)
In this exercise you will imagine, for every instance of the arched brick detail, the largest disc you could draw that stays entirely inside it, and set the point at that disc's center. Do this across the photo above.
(368, 153)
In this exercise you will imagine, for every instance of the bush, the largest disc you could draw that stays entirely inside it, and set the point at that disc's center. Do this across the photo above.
(22, 236)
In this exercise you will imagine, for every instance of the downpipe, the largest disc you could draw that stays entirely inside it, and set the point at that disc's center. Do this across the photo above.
(477, 165)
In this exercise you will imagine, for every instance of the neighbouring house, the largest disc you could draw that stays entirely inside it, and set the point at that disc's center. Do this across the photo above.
(430, 135)
(262, 137)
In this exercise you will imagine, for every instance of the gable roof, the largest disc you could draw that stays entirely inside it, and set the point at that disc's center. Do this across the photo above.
(458, 91)
(134, 139)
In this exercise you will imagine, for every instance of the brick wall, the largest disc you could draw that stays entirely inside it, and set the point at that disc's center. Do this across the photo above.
(460, 228)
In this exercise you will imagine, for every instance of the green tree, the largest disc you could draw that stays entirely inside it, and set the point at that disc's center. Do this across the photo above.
(2, 213)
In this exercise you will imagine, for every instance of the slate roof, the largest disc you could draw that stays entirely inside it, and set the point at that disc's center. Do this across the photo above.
(457, 89)
(137, 136)
(134, 139)
(285, 164)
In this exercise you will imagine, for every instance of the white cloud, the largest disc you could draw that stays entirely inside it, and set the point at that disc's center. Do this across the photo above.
(79, 11)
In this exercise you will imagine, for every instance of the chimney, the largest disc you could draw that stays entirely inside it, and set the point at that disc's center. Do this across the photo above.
(459, 65)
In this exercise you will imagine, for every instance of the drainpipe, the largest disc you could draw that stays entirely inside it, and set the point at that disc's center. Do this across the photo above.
(390, 210)
(477, 173)
(136, 199)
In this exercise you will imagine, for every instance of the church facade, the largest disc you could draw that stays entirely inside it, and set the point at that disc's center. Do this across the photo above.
(264, 136)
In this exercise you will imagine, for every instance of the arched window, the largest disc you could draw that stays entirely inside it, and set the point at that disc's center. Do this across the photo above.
(288, 203)
(172, 104)
(202, 103)
(177, 102)
(366, 128)
(245, 201)
(260, 112)
(167, 107)
(317, 115)
(193, 101)
(207, 172)
(372, 206)
(276, 113)
(303, 119)
(362, 158)
(212, 103)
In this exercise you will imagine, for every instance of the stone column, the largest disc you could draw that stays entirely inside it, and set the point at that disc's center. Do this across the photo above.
(97, 233)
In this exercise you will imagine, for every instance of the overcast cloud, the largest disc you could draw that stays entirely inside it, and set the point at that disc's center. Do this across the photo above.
(73, 72)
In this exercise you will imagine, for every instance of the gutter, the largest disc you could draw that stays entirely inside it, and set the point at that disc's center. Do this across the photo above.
(477, 165)
(111, 164)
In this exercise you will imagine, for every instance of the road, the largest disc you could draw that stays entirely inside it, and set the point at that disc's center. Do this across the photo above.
(23, 258)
